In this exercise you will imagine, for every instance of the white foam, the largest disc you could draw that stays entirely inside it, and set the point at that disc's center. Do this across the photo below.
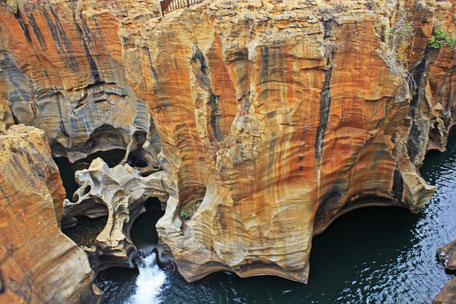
(149, 282)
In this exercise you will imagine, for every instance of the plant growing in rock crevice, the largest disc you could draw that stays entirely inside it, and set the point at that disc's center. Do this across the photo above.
(441, 38)
(400, 36)
(398, 39)
(188, 212)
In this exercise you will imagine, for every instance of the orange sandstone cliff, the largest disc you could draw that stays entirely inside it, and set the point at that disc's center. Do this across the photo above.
(38, 263)
(270, 118)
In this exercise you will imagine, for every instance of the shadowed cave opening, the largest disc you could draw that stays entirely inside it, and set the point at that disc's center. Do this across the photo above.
(143, 233)
(138, 158)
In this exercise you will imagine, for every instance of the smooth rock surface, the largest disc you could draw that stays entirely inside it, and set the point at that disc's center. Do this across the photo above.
(38, 263)
(269, 118)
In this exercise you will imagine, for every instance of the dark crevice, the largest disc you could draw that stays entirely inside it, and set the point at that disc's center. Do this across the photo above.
(398, 185)
(213, 103)
(2, 285)
(328, 29)
(37, 31)
(325, 103)
(198, 56)
(215, 116)
(413, 141)
(16, 121)
(85, 35)
(23, 26)
(137, 158)
(417, 83)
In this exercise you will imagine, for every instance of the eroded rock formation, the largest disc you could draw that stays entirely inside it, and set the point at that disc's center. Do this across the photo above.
(120, 193)
(36, 258)
(269, 118)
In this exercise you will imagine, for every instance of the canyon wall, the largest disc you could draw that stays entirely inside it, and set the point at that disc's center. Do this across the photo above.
(270, 118)
(38, 263)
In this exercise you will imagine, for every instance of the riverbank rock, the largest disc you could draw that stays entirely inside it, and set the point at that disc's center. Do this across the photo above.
(447, 255)
(269, 118)
(448, 294)
(38, 263)
(119, 193)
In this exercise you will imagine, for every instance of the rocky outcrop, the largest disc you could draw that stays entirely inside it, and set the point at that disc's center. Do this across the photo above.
(448, 294)
(119, 193)
(447, 255)
(269, 118)
(36, 258)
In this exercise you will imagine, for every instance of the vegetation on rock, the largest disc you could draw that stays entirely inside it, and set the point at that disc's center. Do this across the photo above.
(188, 212)
(442, 38)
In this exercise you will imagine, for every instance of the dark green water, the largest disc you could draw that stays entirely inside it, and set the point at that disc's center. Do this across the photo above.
(87, 230)
(372, 255)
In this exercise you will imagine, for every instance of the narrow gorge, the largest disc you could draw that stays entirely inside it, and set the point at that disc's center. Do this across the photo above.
(248, 127)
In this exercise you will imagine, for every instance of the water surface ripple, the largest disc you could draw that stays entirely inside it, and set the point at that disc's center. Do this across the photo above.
(371, 255)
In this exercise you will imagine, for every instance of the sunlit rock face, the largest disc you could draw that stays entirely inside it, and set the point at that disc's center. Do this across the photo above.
(269, 118)
(38, 263)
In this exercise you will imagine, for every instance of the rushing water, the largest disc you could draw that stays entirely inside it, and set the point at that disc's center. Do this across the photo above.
(371, 255)
(149, 282)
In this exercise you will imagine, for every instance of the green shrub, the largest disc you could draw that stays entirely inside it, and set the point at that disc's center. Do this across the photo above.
(442, 38)
(188, 212)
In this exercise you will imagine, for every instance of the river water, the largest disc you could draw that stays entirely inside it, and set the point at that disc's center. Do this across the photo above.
(371, 255)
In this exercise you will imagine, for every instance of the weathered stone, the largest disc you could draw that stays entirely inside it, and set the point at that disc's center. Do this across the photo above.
(36, 258)
(447, 255)
(269, 118)
(119, 193)
(448, 294)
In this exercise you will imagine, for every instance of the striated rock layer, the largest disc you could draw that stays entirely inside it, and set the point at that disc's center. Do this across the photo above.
(270, 118)
(36, 258)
